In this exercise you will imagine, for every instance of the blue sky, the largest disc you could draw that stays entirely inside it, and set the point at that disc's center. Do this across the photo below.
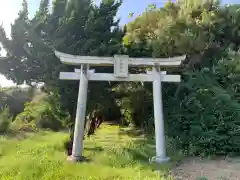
(10, 8)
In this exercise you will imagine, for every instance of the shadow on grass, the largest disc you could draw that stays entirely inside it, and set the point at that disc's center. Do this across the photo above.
(144, 148)
(112, 123)
(135, 153)
(96, 149)
(20, 135)
(23, 134)
(82, 160)
(131, 132)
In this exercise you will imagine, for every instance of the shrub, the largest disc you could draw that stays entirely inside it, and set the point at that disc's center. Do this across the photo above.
(14, 98)
(5, 120)
(204, 117)
(40, 114)
(24, 126)
(47, 120)
(25, 120)
(135, 102)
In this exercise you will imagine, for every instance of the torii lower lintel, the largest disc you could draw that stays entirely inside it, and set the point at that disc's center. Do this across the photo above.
(109, 77)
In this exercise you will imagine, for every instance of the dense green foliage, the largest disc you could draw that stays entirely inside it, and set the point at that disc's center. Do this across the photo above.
(202, 112)
(5, 120)
(15, 98)
(135, 103)
(207, 116)
(42, 114)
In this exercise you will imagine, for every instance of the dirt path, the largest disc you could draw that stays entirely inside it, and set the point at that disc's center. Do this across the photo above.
(221, 169)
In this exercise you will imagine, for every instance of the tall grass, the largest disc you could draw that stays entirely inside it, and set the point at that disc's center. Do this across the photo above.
(111, 156)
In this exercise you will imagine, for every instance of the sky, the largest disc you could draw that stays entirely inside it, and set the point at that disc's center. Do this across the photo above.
(10, 8)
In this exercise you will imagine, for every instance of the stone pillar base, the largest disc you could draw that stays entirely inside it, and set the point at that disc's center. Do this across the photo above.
(76, 159)
(159, 160)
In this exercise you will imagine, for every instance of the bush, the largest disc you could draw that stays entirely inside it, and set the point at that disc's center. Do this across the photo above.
(24, 126)
(204, 117)
(41, 114)
(47, 120)
(5, 120)
(14, 98)
(135, 102)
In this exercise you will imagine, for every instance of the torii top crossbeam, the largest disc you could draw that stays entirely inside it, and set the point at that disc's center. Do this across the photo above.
(109, 61)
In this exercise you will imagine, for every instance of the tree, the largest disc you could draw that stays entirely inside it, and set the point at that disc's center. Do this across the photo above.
(13, 65)
(175, 29)
(75, 27)
(203, 110)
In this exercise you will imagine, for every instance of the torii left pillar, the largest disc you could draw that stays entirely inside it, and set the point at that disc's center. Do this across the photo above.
(77, 151)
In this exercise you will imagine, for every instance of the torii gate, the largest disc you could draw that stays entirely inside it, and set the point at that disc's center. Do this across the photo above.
(121, 64)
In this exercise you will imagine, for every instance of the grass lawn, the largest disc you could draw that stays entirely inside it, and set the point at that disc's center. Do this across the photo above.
(112, 155)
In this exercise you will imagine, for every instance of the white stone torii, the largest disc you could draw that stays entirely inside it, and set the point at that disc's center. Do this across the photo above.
(121, 64)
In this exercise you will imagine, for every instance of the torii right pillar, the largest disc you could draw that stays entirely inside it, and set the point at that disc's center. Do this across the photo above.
(161, 155)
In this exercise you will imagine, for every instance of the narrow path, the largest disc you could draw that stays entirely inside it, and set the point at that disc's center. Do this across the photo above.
(221, 169)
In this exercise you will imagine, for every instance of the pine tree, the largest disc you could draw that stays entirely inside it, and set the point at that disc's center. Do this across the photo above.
(74, 27)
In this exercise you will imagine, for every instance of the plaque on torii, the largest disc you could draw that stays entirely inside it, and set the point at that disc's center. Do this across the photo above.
(121, 63)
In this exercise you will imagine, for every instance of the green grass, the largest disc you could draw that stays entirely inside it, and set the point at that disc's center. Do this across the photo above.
(112, 156)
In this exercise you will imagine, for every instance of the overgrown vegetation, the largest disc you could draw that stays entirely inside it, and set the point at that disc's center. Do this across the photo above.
(5, 120)
(41, 156)
(202, 113)
(43, 114)
(14, 98)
